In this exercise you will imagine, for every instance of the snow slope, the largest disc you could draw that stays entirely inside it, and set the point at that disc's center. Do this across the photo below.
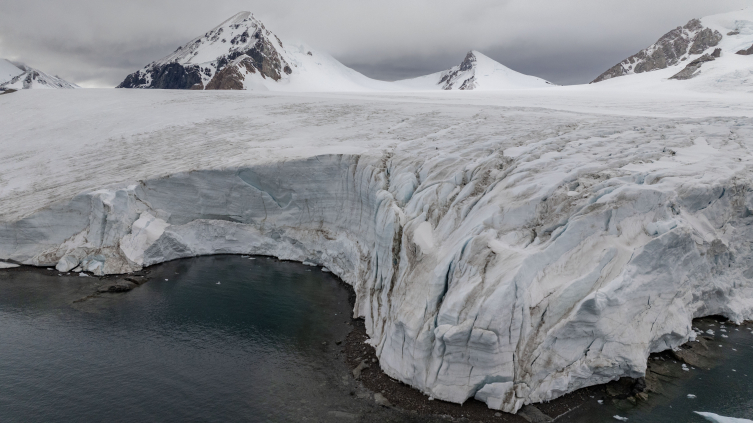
(8, 70)
(509, 246)
(28, 78)
(476, 72)
(653, 68)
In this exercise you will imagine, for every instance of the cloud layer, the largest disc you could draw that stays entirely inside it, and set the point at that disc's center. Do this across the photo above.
(98, 42)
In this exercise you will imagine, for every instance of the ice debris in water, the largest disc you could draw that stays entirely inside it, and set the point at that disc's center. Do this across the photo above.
(691, 396)
(83, 274)
(710, 332)
(685, 367)
(721, 419)
(620, 418)
(325, 270)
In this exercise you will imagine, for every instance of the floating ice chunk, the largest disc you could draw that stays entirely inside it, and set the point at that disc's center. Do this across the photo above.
(725, 336)
(620, 418)
(83, 274)
(721, 419)
(6, 265)
(691, 396)
(710, 332)
(308, 263)
(600, 402)
(325, 270)
(685, 367)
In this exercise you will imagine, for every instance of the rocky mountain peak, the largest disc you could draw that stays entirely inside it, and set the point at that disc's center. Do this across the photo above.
(241, 40)
(672, 48)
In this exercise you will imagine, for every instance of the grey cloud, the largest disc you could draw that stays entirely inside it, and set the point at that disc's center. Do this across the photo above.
(97, 43)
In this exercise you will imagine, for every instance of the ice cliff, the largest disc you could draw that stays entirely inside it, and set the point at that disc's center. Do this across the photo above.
(505, 253)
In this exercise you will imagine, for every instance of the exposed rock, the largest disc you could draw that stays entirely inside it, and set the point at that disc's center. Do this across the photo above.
(693, 68)
(455, 75)
(533, 415)
(361, 367)
(746, 52)
(255, 46)
(117, 286)
(669, 50)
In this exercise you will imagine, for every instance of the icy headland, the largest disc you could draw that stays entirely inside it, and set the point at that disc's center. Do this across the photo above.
(509, 247)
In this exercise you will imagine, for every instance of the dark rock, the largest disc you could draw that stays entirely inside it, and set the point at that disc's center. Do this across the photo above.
(746, 52)
(693, 68)
(532, 414)
(717, 53)
(117, 286)
(733, 33)
(171, 76)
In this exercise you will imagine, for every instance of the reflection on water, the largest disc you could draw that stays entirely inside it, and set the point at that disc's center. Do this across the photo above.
(208, 339)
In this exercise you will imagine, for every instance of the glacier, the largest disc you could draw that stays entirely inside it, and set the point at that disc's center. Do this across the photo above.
(510, 247)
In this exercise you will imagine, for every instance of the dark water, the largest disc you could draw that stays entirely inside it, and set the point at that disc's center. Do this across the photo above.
(181, 349)
(725, 389)
(258, 346)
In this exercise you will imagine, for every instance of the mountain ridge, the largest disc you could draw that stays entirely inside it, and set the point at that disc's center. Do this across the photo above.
(242, 54)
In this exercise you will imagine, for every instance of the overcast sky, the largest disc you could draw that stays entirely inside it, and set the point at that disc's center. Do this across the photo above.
(96, 43)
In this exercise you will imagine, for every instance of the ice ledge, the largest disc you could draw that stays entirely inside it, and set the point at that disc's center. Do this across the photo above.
(472, 282)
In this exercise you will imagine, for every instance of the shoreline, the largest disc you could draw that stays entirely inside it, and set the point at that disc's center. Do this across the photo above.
(663, 368)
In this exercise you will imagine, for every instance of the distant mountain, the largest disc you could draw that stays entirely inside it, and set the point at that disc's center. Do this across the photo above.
(476, 72)
(712, 48)
(241, 53)
(18, 76)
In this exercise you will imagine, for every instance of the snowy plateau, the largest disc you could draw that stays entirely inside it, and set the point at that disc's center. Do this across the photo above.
(510, 246)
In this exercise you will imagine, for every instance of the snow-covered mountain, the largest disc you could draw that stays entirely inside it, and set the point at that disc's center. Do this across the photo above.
(714, 51)
(18, 76)
(241, 53)
(476, 72)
